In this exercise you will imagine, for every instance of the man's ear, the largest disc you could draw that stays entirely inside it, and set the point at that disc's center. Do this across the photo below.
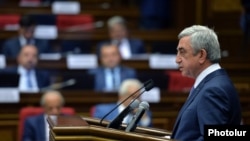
(202, 56)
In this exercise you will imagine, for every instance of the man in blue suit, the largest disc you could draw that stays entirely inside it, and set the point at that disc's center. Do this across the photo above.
(36, 127)
(128, 87)
(213, 100)
(118, 34)
(31, 78)
(11, 47)
(110, 73)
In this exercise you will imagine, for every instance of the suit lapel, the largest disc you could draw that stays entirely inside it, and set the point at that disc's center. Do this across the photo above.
(131, 46)
(194, 94)
(101, 78)
(42, 127)
(18, 46)
(39, 83)
(122, 75)
(184, 107)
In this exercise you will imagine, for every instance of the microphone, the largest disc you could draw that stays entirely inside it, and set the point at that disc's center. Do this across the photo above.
(143, 107)
(86, 27)
(56, 86)
(146, 87)
(118, 120)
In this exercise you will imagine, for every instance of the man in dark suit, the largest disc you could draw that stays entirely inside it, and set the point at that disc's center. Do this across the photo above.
(118, 34)
(36, 127)
(31, 78)
(128, 87)
(213, 99)
(110, 73)
(11, 47)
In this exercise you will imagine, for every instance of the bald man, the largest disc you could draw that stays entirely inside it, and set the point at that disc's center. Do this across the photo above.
(31, 78)
(36, 127)
(127, 87)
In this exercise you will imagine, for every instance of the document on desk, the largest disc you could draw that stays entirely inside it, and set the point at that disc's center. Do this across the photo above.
(9, 95)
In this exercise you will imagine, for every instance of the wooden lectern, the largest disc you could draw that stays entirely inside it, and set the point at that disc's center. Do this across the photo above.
(77, 128)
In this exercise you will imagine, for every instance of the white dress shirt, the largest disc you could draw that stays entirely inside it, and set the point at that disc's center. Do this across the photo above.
(24, 41)
(124, 48)
(112, 79)
(205, 72)
(23, 87)
(46, 127)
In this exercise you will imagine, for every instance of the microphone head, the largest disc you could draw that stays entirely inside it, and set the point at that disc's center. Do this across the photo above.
(135, 104)
(144, 105)
(149, 85)
(70, 82)
(99, 24)
(147, 82)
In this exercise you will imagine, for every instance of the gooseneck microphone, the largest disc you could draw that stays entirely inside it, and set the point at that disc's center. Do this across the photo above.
(146, 87)
(143, 107)
(118, 120)
(61, 85)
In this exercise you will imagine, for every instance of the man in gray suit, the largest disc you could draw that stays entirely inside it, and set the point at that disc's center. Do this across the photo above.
(12, 46)
(110, 73)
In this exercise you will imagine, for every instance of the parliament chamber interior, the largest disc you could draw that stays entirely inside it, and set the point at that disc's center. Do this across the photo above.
(79, 32)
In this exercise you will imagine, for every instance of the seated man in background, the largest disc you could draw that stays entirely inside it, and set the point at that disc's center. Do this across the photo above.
(12, 47)
(128, 87)
(36, 128)
(31, 78)
(110, 73)
(118, 34)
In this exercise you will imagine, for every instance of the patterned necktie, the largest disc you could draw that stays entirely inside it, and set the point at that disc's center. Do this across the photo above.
(113, 78)
(29, 83)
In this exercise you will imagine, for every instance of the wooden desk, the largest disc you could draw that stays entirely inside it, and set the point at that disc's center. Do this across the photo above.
(77, 128)
(164, 113)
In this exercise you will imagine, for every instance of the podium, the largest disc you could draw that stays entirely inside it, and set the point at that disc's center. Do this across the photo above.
(77, 128)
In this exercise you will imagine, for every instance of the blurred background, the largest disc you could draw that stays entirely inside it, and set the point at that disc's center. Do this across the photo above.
(73, 28)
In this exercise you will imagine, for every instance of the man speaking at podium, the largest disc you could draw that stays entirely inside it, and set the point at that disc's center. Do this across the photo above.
(213, 100)
(128, 87)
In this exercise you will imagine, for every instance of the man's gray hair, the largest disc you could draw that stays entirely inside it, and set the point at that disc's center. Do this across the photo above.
(116, 20)
(202, 37)
(128, 83)
(51, 92)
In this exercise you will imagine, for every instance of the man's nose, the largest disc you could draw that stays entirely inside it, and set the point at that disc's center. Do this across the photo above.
(177, 59)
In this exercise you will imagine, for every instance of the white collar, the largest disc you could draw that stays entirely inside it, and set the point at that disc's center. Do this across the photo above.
(205, 72)
(22, 70)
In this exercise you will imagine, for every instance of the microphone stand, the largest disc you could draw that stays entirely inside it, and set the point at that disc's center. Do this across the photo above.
(147, 85)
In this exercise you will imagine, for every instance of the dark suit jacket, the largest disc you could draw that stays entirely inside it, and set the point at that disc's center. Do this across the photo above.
(42, 76)
(103, 109)
(213, 101)
(34, 128)
(99, 76)
(136, 46)
(12, 47)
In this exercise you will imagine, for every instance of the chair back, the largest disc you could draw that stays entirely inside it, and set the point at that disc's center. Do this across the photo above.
(33, 111)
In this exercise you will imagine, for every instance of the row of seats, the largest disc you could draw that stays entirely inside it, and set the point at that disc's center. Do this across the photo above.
(62, 22)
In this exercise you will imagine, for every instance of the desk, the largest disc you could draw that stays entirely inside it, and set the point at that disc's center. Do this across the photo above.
(164, 113)
(237, 68)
